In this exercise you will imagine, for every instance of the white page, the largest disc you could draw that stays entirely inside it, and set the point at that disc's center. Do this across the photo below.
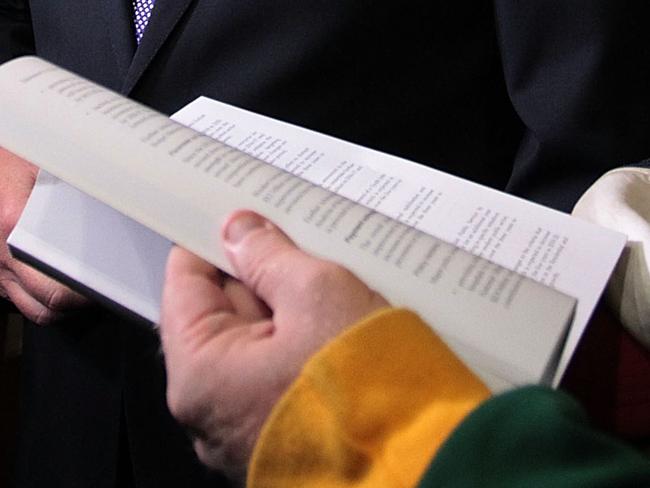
(560, 251)
(142, 164)
(89, 243)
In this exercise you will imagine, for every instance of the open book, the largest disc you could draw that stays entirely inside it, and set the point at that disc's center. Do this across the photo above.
(502, 280)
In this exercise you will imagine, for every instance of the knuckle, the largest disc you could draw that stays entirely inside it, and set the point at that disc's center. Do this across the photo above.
(258, 272)
(262, 269)
(178, 406)
(183, 405)
(207, 456)
(54, 298)
(43, 317)
(59, 298)
(337, 273)
(326, 275)
(9, 214)
(6, 278)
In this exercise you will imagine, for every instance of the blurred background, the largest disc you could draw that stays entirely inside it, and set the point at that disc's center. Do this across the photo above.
(11, 333)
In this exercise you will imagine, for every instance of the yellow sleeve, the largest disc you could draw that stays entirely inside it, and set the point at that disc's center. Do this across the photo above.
(369, 409)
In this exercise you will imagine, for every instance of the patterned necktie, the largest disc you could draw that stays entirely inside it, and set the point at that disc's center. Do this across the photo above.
(142, 11)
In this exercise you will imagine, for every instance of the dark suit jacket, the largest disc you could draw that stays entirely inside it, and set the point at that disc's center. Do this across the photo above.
(538, 98)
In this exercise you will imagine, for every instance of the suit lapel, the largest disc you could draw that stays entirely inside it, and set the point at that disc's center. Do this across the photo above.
(164, 17)
(118, 17)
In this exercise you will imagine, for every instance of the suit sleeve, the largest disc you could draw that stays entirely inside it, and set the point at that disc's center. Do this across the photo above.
(16, 33)
(577, 75)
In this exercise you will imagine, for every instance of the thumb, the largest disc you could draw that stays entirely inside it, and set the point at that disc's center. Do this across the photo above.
(262, 255)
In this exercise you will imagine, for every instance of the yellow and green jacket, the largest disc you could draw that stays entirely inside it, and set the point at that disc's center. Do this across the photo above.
(387, 404)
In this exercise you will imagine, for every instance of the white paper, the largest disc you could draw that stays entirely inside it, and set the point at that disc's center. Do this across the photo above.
(487, 224)
(551, 247)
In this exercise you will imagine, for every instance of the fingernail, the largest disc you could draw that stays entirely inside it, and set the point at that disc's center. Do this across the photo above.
(242, 224)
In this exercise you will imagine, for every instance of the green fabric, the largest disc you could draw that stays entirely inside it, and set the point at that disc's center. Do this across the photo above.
(534, 437)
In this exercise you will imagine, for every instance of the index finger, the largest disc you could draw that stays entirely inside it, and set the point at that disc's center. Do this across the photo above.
(192, 291)
(49, 292)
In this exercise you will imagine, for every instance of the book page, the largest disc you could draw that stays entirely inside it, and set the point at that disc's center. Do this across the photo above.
(90, 246)
(551, 247)
(145, 165)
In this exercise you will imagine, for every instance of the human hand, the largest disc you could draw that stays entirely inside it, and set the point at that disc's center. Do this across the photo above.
(39, 298)
(233, 347)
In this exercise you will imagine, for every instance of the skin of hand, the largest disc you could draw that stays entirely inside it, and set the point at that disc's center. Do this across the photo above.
(41, 299)
(233, 347)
